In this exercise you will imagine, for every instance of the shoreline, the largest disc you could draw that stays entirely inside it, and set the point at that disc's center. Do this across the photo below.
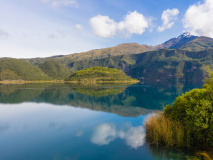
(72, 82)
(102, 82)
(22, 82)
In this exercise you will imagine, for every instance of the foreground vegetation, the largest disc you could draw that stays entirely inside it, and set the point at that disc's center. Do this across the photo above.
(186, 123)
(163, 131)
(100, 75)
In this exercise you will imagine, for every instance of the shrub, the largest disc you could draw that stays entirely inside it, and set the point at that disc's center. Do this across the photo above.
(189, 121)
(194, 110)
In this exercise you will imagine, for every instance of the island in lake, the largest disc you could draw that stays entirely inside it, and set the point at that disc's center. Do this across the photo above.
(100, 75)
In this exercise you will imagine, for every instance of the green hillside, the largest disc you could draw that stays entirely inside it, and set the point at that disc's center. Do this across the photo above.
(55, 69)
(198, 44)
(100, 74)
(15, 69)
(165, 65)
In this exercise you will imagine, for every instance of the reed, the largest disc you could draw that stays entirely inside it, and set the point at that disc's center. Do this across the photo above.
(161, 130)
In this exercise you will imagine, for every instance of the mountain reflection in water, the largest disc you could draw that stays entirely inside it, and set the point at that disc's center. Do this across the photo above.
(62, 121)
(129, 101)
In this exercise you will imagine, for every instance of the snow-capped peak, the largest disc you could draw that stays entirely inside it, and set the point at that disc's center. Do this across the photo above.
(185, 35)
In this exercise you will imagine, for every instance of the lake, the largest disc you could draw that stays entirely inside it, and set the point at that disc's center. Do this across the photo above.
(70, 122)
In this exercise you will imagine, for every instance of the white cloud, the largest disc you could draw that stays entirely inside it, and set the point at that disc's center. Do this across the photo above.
(105, 133)
(198, 19)
(3, 34)
(103, 26)
(168, 17)
(79, 27)
(133, 23)
(56, 3)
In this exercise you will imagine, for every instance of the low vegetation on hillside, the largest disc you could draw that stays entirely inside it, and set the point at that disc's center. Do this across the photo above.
(100, 74)
(15, 69)
(55, 69)
(198, 44)
(188, 122)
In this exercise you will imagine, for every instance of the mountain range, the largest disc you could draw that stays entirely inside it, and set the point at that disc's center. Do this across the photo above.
(178, 59)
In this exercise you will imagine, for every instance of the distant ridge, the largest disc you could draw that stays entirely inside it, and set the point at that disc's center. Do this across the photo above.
(185, 41)
(125, 48)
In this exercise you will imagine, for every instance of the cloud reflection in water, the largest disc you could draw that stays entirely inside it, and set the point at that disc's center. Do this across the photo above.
(107, 132)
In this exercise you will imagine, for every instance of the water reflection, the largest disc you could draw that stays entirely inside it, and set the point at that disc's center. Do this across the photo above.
(3, 127)
(129, 101)
(105, 133)
(45, 131)
(165, 153)
(59, 121)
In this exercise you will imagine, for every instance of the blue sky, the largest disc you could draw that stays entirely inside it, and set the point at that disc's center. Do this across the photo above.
(41, 28)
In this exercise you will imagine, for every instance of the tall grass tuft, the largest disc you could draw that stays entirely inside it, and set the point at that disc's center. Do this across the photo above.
(161, 130)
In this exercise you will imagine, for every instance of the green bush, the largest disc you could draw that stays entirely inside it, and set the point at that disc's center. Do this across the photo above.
(194, 110)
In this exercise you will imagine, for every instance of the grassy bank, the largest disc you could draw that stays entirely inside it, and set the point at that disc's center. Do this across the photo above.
(162, 133)
(160, 130)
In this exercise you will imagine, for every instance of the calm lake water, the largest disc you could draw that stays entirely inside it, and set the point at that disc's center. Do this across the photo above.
(66, 122)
